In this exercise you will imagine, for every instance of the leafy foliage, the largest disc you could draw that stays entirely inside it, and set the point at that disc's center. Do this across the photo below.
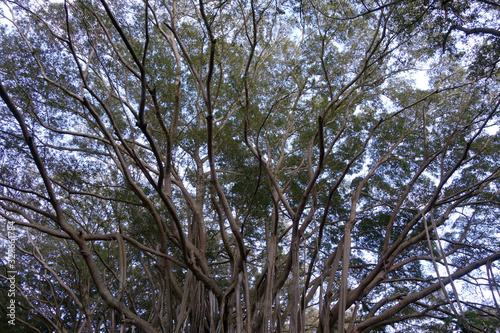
(258, 166)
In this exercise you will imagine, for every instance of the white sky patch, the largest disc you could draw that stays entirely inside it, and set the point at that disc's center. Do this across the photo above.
(358, 110)
(493, 130)
(421, 79)
(339, 46)
(388, 103)
(493, 127)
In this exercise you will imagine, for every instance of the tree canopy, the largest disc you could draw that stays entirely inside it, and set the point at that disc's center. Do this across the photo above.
(251, 166)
